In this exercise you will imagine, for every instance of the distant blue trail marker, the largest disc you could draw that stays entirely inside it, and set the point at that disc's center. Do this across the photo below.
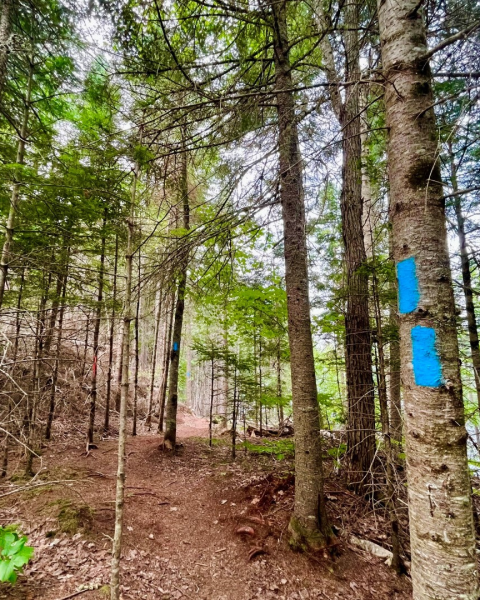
(426, 362)
(408, 290)
(175, 346)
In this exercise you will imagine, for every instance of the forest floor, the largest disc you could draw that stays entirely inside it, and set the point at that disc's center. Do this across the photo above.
(180, 530)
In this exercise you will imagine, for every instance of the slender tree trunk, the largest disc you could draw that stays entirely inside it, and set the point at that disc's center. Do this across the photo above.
(6, 15)
(96, 338)
(171, 412)
(158, 315)
(358, 345)
(442, 532)
(3, 472)
(18, 320)
(309, 525)
(167, 342)
(260, 382)
(137, 350)
(85, 347)
(390, 491)
(212, 391)
(54, 309)
(122, 434)
(106, 424)
(279, 388)
(118, 392)
(63, 292)
(396, 419)
(467, 279)
(234, 414)
(37, 380)
(15, 197)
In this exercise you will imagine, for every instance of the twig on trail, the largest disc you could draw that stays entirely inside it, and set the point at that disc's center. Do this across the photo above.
(109, 450)
(221, 550)
(77, 593)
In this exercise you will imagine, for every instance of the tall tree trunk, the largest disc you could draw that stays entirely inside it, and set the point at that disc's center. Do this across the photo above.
(390, 491)
(171, 411)
(441, 519)
(167, 342)
(466, 278)
(122, 434)
(118, 391)
(212, 391)
(85, 347)
(154, 357)
(137, 349)
(96, 337)
(106, 424)
(396, 419)
(6, 15)
(63, 292)
(279, 387)
(309, 525)
(15, 197)
(358, 345)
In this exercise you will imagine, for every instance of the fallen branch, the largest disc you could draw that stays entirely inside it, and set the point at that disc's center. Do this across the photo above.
(37, 485)
(78, 593)
(372, 548)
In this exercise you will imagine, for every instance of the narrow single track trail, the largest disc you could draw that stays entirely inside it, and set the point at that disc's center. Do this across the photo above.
(181, 530)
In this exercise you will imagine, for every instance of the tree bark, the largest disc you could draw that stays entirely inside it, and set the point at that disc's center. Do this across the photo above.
(309, 525)
(96, 338)
(395, 398)
(358, 343)
(154, 358)
(440, 508)
(6, 15)
(106, 424)
(137, 349)
(171, 410)
(167, 341)
(51, 410)
(122, 434)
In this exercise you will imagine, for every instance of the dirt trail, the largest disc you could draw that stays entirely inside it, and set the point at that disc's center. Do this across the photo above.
(181, 517)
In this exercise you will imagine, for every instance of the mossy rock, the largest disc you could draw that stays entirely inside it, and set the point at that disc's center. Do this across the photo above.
(74, 517)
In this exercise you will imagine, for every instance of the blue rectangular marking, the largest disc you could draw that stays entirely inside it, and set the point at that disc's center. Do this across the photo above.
(408, 291)
(426, 362)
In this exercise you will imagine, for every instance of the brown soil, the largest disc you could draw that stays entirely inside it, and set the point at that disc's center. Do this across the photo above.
(181, 521)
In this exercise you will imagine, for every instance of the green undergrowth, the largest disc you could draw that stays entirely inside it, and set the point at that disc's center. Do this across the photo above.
(279, 449)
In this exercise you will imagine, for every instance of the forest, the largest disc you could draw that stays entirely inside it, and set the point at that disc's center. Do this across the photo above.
(239, 286)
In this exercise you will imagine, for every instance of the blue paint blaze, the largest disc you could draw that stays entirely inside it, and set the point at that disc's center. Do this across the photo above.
(408, 291)
(175, 346)
(426, 362)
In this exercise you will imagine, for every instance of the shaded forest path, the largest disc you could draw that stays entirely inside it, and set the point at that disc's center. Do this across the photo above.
(180, 531)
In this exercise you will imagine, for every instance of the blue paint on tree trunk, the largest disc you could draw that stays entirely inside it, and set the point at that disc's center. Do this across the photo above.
(426, 362)
(408, 290)
(175, 346)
